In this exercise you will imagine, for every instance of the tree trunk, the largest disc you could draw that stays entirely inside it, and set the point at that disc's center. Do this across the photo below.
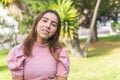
(94, 37)
(85, 49)
(74, 46)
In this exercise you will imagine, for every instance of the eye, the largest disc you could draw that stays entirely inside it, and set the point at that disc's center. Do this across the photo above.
(44, 20)
(54, 24)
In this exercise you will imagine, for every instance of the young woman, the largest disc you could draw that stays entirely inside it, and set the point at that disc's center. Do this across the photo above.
(40, 57)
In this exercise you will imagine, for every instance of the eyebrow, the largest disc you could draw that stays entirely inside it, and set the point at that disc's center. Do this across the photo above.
(48, 19)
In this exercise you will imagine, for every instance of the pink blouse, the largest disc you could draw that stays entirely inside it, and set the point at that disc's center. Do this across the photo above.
(40, 66)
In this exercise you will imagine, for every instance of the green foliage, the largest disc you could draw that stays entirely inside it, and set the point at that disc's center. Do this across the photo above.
(106, 6)
(118, 26)
(109, 38)
(35, 6)
(84, 4)
(25, 26)
(68, 15)
(24, 29)
(65, 8)
(5, 2)
(1, 36)
(115, 26)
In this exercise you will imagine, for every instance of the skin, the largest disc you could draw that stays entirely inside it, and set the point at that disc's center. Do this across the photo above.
(46, 28)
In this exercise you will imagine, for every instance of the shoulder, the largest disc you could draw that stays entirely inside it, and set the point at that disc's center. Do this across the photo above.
(17, 50)
(15, 60)
(63, 56)
(63, 63)
(19, 46)
(63, 52)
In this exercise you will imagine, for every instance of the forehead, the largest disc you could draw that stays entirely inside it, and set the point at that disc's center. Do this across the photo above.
(50, 16)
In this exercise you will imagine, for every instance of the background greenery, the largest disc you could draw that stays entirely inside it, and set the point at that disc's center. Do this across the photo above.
(102, 62)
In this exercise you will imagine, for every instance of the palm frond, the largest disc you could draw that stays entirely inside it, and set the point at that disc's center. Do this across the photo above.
(68, 15)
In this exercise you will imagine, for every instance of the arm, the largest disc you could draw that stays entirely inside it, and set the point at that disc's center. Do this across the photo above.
(19, 78)
(15, 61)
(61, 78)
(63, 65)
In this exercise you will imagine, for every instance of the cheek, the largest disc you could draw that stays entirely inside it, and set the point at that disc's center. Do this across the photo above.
(38, 30)
(54, 31)
(38, 27)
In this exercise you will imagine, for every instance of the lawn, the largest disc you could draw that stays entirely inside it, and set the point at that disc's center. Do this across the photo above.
(4, 72)
(102, 63)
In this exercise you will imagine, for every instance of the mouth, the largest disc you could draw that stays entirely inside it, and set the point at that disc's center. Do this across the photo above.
(45, 31)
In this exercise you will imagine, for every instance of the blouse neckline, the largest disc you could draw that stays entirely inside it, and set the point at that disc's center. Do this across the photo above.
(41, 45)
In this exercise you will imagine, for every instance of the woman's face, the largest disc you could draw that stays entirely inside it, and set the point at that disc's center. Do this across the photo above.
(46, 27)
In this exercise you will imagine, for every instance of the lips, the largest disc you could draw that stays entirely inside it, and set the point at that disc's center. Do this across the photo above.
(46, 32)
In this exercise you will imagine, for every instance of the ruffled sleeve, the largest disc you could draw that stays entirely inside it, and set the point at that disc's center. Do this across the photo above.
(15, 61)
(63, 64)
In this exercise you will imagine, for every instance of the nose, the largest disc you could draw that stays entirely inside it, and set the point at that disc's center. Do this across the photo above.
(47, 25)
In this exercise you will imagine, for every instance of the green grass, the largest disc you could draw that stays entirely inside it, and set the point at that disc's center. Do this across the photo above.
(108, 38)
(102, 63)
(100, 67)
(4, 71)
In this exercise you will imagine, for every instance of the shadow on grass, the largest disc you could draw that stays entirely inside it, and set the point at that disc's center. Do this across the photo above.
(3, 68)
(102, 48)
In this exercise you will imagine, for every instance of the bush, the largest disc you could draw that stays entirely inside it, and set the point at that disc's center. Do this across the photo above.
(115, 26)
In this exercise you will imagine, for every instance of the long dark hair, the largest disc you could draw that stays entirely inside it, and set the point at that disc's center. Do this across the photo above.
(31, 38)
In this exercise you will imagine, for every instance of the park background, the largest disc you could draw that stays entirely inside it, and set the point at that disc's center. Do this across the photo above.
(90, 32)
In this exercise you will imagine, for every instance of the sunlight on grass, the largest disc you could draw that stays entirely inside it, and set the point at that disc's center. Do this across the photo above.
(4, 72)
(103, 66)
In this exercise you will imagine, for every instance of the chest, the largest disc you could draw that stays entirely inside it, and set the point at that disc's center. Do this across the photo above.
(40, 64)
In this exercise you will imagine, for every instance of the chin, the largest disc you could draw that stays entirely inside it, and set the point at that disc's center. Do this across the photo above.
(45, 37)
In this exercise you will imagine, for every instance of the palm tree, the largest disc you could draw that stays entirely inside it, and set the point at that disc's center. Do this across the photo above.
(69, 32)
(68, 15)
(5, 2)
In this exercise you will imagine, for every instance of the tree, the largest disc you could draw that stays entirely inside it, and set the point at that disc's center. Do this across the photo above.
(69, 16)
(71, 40)
(69, 32)
(91, 27)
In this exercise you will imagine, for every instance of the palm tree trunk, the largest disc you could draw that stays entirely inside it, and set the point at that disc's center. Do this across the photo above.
(74, 46)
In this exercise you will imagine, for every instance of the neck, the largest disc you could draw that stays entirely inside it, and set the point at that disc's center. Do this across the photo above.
(41, 41)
